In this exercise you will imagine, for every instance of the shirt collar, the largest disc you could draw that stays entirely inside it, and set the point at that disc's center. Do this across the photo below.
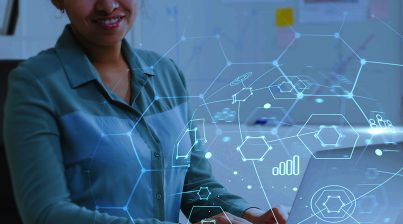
(78, 67)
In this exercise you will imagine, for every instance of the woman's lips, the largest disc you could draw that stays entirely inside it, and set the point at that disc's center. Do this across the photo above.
(109, 23)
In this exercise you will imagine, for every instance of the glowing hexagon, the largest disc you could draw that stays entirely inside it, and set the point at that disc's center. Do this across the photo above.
(242, 95)
(315, 137)
(254, 148)
(329, 136)
(204, 193)
(286, 87)
(199, 213)
(333, 203)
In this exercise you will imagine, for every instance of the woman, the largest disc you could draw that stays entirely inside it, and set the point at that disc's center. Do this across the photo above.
(91, 125)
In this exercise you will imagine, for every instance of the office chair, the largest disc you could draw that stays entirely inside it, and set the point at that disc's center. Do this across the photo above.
(8, 208)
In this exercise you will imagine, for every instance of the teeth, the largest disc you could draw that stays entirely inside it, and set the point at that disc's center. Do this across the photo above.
(108, 21)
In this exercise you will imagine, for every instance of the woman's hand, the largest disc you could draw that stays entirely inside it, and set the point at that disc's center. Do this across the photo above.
(256, 216)
(225, 218)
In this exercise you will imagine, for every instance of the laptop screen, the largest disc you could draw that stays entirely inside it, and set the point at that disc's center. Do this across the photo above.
(368, 188)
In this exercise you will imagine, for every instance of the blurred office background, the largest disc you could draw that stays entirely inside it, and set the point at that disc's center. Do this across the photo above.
(320, 45)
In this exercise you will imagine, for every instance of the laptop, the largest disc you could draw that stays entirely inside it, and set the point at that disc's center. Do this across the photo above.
(368, 188)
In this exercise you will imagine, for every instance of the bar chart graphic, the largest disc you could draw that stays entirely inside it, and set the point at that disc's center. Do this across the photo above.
(287, 168)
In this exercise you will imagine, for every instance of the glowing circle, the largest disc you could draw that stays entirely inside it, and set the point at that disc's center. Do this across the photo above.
(249, 187)
(208, 155)
(378, 152)
(319, 100)
(295, 189)
(226, 139)
(235, 172)
(267, 106)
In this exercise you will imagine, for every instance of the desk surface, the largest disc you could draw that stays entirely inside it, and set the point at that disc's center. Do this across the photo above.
(241, 178)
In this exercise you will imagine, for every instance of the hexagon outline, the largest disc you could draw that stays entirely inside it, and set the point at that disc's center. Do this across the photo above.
(201, 197)
(276, 85)
(205, 206)
(234, 97)
(317, 135)
(342, 189)
(345, 212)
(286, 91)
(361, 60)
(239, 148)
(341, 115)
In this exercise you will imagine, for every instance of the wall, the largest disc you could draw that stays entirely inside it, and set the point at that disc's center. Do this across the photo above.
(249, 41)
(247, 37)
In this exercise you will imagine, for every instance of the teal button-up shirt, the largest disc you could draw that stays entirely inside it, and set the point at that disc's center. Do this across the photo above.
(79, 154)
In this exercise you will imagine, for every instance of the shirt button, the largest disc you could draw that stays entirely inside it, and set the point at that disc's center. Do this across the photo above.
(157, 154)
(158, 196)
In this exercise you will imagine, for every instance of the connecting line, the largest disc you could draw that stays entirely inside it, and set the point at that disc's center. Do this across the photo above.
(168, 51)
(380, 185)
(384, 63)
(252, 63)
(288, 80)
(366, 98)
(264, 192)
(388, 26)
(359, 107)
(131, 218)
(350, 216)
(286, 49)
(364, 151)
(208, 111)
(324, 95)
(142, 115)
(399, 175)
(313, 215)
(199, 37)
(344, 21)
(394, 174)
(177, 97)
(351, 49)
(185, 192)
(222, 50)
(219, 90)
(284, 147)
(265, 73)
(216, 78)
(356, 79)
(317, 35)
(111, 208)
(263, 88)
(294, 136)
(239, 120)
(287, 114)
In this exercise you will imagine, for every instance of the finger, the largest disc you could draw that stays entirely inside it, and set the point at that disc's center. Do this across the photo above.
(278, 217)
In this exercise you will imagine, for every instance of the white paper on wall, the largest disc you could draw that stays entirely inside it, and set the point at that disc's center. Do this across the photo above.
(323, 11)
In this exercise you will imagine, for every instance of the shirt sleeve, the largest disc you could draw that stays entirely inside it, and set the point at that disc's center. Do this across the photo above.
(32, 142)
(199, 175)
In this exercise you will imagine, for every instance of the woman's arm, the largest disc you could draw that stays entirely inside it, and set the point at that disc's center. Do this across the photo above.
(32, 142)
(200, 175)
